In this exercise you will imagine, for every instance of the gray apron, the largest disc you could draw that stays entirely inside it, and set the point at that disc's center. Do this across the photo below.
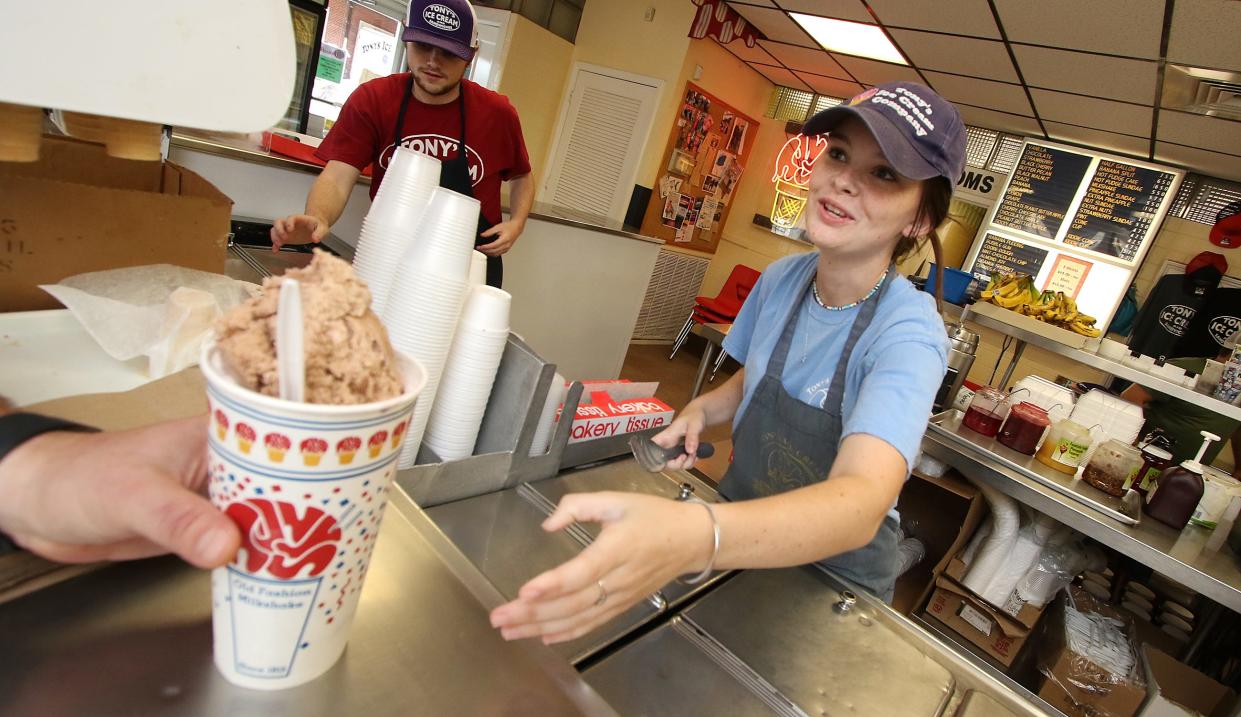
(782, 443)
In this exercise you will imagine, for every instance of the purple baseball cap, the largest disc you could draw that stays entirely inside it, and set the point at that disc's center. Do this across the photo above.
(447, 24)
(920, 133)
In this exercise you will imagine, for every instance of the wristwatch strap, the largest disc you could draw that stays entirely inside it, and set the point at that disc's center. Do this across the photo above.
(16, 429)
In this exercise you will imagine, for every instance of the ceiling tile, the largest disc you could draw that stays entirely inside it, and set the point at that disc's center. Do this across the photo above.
(1225, 166)
(1213, 133)
(750, 54)
(960, 17)
(781, 76)
(852, 10)
(1122, 143)
(874, 72)
(1002, 121)
(796, 57)
(775, 25)
(981, 93)
(1204, 33)
(830, 86)
(1094, 75)
(959, 55)
(1091, 112)
(1132, 28)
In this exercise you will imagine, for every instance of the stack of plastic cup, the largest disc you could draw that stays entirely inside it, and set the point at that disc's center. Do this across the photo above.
(394, 221)
(478, 268)
(426, 297)
(547, 419)
(469, 374)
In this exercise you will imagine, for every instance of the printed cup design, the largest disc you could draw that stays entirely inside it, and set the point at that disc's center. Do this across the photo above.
(347, 448)
(277, 444)
(221, 424)
(245, 437)
(376, 443)
(313, 450)
(277, 539)
(398, 432)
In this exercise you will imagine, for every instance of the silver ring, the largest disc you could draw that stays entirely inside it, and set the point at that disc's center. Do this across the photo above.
(603, 594)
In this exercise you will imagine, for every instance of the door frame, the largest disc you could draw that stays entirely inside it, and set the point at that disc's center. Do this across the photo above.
(504, 19)
(563, 114)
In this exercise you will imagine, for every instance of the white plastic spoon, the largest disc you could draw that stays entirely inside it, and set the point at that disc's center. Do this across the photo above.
(290, 342)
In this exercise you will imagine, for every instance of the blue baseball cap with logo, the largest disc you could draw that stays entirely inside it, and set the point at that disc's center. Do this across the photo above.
(920, 133)
(450, 25)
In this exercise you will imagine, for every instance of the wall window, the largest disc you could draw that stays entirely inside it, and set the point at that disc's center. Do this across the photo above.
(361, 41)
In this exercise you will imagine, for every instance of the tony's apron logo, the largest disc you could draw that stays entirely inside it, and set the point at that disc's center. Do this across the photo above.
(1175, 318)
(440, 147)
(1221, 327)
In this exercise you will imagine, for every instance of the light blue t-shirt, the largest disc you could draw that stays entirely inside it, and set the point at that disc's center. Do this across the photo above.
(897, 364)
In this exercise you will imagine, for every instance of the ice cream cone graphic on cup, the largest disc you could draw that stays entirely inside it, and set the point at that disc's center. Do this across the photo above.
(376, 443)
(313, 450)
(245, 437)
(398, 432)
(277, 444)
(347, 448)
(221, 424)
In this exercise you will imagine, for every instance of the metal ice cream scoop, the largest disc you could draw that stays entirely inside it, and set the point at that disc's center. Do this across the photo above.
(653, 457)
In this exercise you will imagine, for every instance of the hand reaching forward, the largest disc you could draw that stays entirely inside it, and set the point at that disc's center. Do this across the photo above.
(82, 497)
(645, 542)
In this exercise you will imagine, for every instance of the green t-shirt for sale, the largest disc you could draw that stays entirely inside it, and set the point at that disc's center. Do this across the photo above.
(1183, 421)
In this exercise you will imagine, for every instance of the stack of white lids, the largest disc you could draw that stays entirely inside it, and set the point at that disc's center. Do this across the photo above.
(1057, 400)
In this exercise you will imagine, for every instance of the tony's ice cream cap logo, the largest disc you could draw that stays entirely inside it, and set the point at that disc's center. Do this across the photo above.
(862, 97)
(442, 17)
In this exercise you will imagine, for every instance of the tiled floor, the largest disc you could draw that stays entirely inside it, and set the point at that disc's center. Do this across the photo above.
(649, 362)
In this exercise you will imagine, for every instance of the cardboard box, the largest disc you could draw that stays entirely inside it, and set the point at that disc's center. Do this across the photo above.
(1024, 613)
(79, 210)
(1102, 699)
(942, 512)
(615, 408)
(1177, 690)
(998, 636)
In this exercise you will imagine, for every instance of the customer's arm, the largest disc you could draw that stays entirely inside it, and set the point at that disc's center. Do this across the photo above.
(505, 234)
(83, 497)
(324, 205)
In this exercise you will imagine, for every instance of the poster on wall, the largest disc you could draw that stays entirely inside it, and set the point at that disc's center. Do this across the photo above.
(1067, 274)
(1000, 254)
(1115, 215)
(707, 148)
(1041, 190)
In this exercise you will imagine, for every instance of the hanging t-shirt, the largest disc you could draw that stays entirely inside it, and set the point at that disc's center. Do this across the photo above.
(364, 134)
(1212, 325)
(1168, 311)
(897, 364)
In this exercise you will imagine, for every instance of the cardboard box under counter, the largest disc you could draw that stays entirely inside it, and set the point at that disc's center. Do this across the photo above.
(78, 210)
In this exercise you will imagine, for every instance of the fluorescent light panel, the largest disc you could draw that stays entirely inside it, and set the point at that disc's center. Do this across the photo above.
(850, 38)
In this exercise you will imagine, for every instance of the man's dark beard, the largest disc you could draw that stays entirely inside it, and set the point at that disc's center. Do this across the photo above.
(433, 93)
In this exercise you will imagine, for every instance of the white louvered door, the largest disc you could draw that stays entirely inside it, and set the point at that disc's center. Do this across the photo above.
(602, 133)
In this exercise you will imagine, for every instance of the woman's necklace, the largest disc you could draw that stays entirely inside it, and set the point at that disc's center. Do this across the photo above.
(814, 285)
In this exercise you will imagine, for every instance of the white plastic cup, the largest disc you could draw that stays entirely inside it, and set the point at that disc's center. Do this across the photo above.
(377, 258)
(410, 175)
(456, 415)
(487, 308)
(446, 237)
(306, 484)
(547, 417)
(478, 268)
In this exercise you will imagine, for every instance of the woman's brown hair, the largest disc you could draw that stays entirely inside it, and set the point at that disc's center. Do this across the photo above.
(932, 211)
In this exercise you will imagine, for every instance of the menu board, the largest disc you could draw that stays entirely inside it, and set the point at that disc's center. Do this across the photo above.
(1116, 213)
(1003, 255)
(1041, 190)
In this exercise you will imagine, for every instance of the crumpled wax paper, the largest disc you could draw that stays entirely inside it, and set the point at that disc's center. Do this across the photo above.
(161, 311)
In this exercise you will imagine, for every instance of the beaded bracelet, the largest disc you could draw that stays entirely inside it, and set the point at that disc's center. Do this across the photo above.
(715, 548)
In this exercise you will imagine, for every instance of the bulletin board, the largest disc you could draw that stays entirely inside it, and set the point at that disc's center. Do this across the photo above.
(707, 151)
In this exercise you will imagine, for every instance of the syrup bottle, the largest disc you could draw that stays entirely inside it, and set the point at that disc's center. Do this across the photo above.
(1177, 491)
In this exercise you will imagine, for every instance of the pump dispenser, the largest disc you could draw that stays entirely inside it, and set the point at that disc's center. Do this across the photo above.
(1178, 490)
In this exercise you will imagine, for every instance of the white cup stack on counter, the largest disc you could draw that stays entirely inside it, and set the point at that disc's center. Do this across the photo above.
(416, 252)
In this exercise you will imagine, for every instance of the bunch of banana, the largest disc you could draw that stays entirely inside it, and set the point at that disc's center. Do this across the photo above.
(1010, 290)
(1017, 293)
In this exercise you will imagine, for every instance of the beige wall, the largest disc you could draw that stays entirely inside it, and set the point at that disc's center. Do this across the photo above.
(536, 70)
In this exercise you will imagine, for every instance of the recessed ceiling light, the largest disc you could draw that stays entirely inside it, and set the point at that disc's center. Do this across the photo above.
(851, 38)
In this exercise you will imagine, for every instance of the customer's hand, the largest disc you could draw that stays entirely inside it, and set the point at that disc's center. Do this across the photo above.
(505, 234)
(82, 497)
(688, 425)
(645, 542)
(297, 229)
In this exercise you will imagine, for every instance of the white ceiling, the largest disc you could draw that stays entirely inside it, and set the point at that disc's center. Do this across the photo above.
(1086, 73)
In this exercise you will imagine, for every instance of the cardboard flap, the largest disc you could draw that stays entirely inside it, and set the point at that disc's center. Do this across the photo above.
(1011, 628)
(72, 160)
(180, 395)
(1183, 686)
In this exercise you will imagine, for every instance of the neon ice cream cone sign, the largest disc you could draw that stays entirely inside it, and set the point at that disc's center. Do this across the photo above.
(792, 177)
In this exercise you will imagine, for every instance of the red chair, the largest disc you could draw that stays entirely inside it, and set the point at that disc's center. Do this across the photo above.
(721, 308)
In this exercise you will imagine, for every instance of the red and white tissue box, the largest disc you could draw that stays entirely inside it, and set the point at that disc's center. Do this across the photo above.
(613, 408)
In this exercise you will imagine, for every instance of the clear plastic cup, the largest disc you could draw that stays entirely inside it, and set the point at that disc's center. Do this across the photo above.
(306, 484)
(487, 308)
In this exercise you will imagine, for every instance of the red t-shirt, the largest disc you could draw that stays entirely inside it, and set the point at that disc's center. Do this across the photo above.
(364, 134)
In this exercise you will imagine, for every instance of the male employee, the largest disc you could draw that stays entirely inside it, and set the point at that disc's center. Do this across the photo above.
(434, 110)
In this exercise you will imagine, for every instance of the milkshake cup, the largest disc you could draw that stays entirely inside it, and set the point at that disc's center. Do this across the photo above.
(309, 509)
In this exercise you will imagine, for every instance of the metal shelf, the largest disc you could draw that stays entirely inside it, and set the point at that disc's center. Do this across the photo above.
(1181, 555)
(1106, 365)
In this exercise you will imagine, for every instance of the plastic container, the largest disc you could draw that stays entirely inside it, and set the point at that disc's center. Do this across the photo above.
(1177, 493)
(1219, 491)
(1024, 428)
(987, 411)
(956, 284)
(1108, 416)
(1112, 467)
(1066, 444)
(1155, 460)
(1058, 401)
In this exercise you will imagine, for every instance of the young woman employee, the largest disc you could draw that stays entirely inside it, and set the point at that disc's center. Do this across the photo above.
(842, 358)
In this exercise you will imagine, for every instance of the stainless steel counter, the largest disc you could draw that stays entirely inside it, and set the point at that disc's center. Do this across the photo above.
(135, 638)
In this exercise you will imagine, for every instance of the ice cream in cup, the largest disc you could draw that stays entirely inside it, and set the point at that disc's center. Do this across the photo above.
(283, 608)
